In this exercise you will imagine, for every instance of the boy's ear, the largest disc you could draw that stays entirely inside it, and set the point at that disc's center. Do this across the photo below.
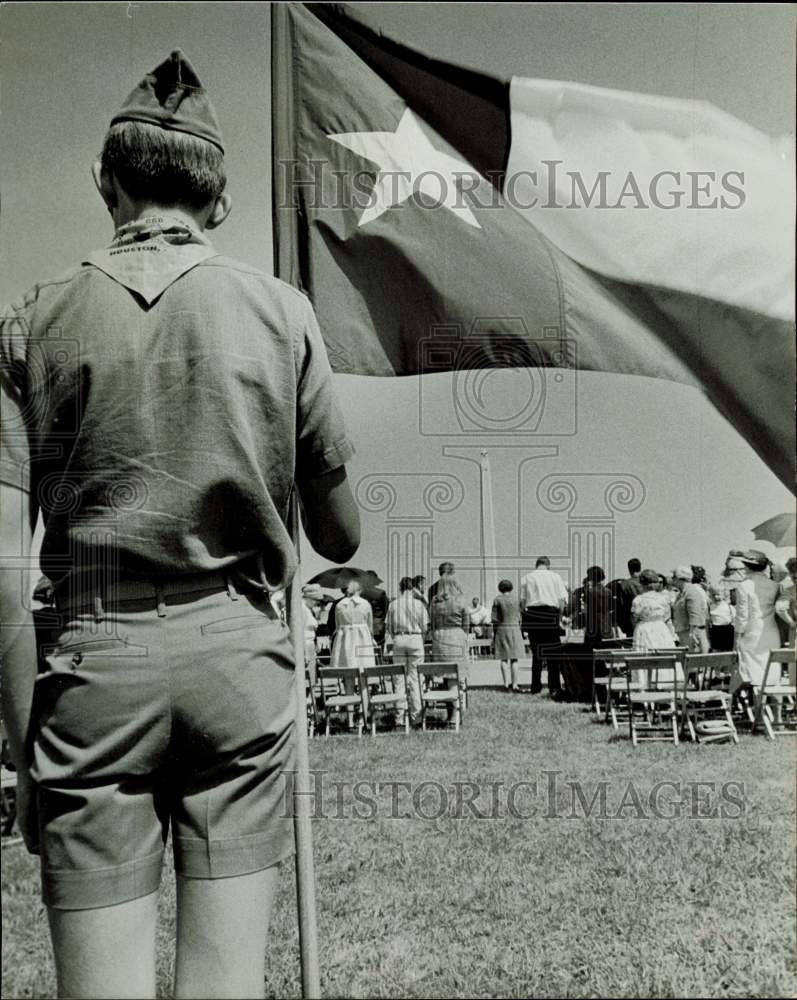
(221, 209)
(104, 185)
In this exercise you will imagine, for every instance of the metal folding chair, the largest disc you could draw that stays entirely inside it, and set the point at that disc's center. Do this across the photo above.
(378, 693)
(783, 688)
(440, 687)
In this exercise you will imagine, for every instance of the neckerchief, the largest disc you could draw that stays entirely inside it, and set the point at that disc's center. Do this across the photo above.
(151, 253)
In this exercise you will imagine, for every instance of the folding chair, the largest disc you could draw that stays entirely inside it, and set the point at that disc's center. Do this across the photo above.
(312, 706)
(718, 669)
(773, 686)
(652, 690)
(440, 687)
(334, 699)
(618, 663)
(600, 682)
(480, 645)
(385, 698)
(706, 710)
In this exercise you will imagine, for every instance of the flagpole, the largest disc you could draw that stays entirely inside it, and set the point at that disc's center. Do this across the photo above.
(281, 136)
(302, 792)
(487, 525)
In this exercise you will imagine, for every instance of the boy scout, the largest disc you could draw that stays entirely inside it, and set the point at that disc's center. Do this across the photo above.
(159, 401)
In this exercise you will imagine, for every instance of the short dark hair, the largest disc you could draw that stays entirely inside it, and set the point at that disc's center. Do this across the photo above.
(542, 561)
(406, 583)
(418, 580)
(634, 565)
(791, 565)
(505, 586)
(595, 574)
(162, 165)
(445, 567)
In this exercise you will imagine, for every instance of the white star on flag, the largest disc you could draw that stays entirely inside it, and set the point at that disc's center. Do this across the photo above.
(409, 163)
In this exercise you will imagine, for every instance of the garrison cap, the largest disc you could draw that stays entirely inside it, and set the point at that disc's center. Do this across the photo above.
(172, 97)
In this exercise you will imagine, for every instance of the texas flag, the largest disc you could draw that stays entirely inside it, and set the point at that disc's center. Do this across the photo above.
(443, 219)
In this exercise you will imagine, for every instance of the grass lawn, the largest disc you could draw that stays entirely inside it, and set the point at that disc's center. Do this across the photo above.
(526, 892)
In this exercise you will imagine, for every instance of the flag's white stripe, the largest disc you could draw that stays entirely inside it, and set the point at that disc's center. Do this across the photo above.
(742, 256)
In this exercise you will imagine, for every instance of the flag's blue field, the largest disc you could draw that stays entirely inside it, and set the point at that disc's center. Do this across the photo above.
(527, 855)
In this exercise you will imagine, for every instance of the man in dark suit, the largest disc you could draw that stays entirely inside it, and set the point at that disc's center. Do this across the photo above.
(377, 598)
(331, 624)
(591, 607)
(624, 592)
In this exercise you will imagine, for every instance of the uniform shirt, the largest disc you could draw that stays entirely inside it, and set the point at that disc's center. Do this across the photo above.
(407, 614)
(542, 588)
(159, 400)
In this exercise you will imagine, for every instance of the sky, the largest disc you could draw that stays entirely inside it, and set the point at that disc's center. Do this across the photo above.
(66, 67)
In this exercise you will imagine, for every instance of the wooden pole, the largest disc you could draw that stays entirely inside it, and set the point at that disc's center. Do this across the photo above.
(303, 793)
(284, 237)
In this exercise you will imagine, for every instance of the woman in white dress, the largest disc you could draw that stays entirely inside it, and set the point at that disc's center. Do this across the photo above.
(354, 640)
(650, 613)
(353, 645)
(651, 616)
(755, 625)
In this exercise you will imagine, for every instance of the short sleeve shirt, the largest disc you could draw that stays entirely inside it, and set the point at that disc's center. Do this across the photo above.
(160, 404)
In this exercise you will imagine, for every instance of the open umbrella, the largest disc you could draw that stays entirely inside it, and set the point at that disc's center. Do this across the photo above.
(340, 576)
(779, 530)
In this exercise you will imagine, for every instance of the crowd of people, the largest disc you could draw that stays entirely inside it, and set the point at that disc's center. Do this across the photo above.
(751, 608)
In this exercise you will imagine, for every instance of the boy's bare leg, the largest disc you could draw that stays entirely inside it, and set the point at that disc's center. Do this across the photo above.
(503, 673)
(513, 668)
(221, 935)
(107, 952)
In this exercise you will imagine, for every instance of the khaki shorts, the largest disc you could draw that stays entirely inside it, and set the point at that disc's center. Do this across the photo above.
(157, 713)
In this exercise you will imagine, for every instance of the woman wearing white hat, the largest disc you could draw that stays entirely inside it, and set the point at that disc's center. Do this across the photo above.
(755, 625)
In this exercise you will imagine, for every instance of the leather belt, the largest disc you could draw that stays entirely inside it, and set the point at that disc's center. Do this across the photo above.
(83, 595)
